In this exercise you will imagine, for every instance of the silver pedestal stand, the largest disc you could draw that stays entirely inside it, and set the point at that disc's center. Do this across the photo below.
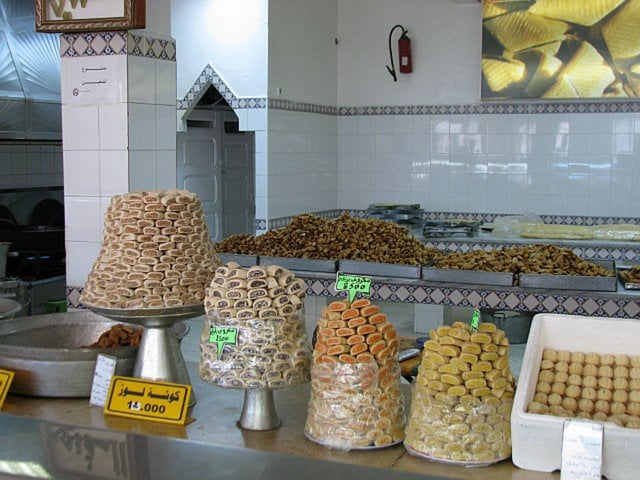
(159, 356)
(259, 410)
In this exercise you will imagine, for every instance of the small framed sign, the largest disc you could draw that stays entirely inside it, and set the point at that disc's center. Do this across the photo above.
(89, 15)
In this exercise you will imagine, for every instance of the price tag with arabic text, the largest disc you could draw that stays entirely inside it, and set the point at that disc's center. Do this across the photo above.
(6, 377)
(353, 284)
(148, 400)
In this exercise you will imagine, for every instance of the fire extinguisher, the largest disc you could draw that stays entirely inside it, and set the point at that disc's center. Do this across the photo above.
(404, 51)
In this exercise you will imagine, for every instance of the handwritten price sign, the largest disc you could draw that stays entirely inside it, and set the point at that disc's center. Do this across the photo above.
(353, 284)
(222, 336)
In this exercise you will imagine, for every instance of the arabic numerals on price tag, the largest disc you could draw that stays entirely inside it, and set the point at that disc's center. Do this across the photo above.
(146, 407)
(134, 406)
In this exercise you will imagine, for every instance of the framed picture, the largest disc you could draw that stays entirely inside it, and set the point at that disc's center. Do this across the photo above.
(89, 15)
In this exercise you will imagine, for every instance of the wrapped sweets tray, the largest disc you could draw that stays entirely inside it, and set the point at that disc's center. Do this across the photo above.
(358, 267)
(242, 260)
(300, 264)
(476, 277)
(572, 282)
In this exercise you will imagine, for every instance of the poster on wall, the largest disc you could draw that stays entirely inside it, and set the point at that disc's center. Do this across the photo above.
(560, 49)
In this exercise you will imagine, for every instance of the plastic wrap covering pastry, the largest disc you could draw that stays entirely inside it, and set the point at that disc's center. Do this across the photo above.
(156, 252)
(590, 386)
(260, 309)
(622, 232)
(462, 399)
(356, 400)
(556, 231)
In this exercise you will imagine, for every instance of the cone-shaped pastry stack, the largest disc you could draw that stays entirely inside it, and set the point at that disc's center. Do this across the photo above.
(355, 397)
(156, 252)
(461, 406)
(263, 308)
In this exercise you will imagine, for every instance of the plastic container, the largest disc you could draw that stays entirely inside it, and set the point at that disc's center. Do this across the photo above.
(537, 439)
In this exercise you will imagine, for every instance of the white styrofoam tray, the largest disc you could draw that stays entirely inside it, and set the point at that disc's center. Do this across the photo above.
(537, 439)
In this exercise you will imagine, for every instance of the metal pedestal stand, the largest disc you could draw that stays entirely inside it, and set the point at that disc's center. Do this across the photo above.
(159, 356)
(259, 410)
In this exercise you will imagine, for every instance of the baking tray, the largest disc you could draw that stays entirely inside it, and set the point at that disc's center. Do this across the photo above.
(359, 267)
(572, 282)
(243, 260)
(300, 264)
(475, 277)
(628, 285)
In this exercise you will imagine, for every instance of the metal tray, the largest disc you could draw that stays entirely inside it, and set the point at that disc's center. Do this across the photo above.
(46, 354)
(300, 264)
(243, 260)
(475, 277)
(628, 285)
(572, 282)
(359, 267)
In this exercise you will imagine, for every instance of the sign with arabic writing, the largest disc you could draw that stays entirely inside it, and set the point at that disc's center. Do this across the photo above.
(148, 400)
(6, 377)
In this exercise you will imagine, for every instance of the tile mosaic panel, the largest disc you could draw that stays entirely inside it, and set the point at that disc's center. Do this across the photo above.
(281, 104)
(149, 47)
(73, 297)
(94, 44)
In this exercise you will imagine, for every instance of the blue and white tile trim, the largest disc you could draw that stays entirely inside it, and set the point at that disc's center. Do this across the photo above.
(209, 76)
(97, 44)
(73, 297)
(280, 104)
(495, 298)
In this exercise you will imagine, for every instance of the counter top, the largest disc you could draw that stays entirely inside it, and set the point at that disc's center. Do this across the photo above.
(215, 417)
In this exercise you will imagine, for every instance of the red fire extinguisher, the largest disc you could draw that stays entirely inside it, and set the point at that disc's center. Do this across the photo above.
(404, 51)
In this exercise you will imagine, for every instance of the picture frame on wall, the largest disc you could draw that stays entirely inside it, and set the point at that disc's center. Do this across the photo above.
(65, 16)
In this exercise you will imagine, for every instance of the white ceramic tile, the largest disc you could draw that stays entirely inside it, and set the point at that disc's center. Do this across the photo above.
(114, 173)
(557, 204)
(601, 123)
(577, 204)
(83, 173)
(599, 185)
(165, 127)
(600, 144)
(142, 126)
(142, 80)
(440, 124)
(403, 143)
(384, 124)
(440, 143)
(256, 119)
(166, 169)
(79, 259)
(80, 128)
(580, 123)
(142, 170)
(599, 205)
(166, 83)
(82, 219)
(348, 125)
(623, 123)
(114, 127)
(623, 143)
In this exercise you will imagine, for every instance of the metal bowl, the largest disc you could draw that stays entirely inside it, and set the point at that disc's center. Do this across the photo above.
(47, 355)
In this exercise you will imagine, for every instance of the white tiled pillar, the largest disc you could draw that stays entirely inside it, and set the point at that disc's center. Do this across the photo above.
(117, 138)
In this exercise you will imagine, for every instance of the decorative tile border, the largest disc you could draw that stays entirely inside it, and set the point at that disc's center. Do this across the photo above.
(280, 104)
(73, 297)
(97, 44)
(209, 76)
(93, 44)
(497, 299)
(261, 224)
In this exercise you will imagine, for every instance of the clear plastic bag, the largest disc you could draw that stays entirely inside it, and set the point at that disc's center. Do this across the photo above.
(270, 353)
(620, 232)
(356, 406)
(512, 225)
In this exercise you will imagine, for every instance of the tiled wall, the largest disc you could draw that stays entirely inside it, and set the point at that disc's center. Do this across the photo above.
(303, 163)
(30, 164)
(558, 163)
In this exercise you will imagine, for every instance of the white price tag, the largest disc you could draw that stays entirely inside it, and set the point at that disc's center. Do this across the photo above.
(105, 368)
(581, 451)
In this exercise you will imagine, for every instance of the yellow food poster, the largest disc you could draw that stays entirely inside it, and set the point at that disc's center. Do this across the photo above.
(560, 49)
(6, 377)
(148, 400)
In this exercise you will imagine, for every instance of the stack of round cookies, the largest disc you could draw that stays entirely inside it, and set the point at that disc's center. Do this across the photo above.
(156, 252)
(461, 406)
(356, 400)
(261, 308)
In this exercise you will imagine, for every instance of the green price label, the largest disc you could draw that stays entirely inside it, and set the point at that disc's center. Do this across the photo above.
(475, 320)
(222, 336)
(353, 284)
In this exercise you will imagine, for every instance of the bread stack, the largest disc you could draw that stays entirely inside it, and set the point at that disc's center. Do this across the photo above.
(461, 406)
(265, 305)
(156, 252)
(356, 400)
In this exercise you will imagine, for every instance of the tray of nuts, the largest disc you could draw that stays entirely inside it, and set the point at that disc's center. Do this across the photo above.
(475, 277)
(379, 269)
(629, 276)
(597, 280)
(300, 264)
(240, 259)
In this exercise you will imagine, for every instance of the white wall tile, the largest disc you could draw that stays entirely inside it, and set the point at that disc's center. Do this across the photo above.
(142, 80)
(142, 126)
(166, 169)
(166, 83)
(114, 128)
(142, 170)
(82, 173)
(165, 127)
(80, 128)
(82, 217)
(114, 173)
(80, 258)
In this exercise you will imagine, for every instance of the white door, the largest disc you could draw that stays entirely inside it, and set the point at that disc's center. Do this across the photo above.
(238, 180)
(199, 168)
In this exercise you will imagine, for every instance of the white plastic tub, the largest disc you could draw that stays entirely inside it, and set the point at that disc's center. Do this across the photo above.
(537, 439)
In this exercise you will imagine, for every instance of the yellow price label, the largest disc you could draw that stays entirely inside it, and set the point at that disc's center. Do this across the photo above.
(6, 377)
(148, 400)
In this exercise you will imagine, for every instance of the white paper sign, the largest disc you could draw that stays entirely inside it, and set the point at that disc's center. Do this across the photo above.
(105, 368)
(581, 451)
(94, 80)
